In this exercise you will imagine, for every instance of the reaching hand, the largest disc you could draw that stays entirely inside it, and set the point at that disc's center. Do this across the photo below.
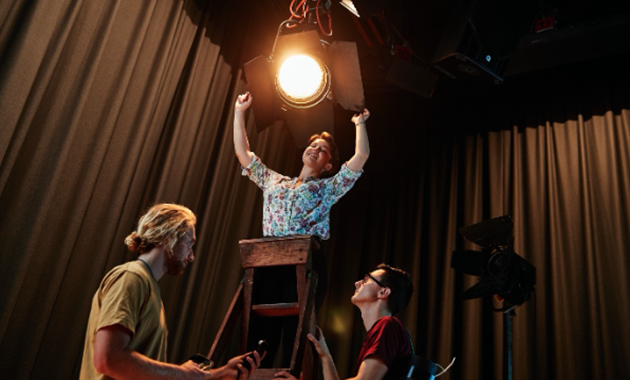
(320, 344)
(235, 370)
(194, 369)
(284, 375)
(361, 117)
(243, 102)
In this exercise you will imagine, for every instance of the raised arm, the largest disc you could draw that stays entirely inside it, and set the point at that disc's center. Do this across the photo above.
(371, 368)
(329, 370)
(362, 146)
(241, 144)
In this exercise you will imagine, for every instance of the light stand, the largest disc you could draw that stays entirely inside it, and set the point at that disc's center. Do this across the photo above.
(502, 273)
(507, 343)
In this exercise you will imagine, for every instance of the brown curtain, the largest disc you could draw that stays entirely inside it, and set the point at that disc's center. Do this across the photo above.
(107, 107)
(552, 150)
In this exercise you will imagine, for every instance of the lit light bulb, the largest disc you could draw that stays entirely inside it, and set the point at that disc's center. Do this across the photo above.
(303, 80)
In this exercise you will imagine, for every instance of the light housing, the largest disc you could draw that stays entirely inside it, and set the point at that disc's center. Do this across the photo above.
(502, 272)
(305, 116)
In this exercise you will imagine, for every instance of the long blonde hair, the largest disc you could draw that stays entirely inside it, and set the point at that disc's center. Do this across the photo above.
(162, 222)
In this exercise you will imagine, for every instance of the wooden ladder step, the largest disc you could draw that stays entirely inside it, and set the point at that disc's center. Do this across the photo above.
(276, 309)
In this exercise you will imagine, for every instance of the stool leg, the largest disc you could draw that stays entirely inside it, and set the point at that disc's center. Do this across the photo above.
(310, 368)
(307, 303)
(248, 285)
(227, 326)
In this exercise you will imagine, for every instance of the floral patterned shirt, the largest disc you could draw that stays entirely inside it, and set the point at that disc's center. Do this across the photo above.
(288, 210)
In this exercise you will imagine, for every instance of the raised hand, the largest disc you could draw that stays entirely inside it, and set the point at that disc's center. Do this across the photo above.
(361, 117)
(319, 344)
(243, 102)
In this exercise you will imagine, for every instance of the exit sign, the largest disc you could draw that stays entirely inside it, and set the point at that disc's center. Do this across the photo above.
(544, 24)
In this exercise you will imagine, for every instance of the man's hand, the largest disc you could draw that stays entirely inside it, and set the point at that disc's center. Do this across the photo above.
(235, 370)
(194, 370)
(320, 344)
(322, 350)
(284, 375)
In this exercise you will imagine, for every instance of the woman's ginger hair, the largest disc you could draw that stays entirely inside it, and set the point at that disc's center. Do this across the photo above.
(162, 223)
(334, 152)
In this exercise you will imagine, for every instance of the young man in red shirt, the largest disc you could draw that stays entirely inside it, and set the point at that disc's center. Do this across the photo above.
(379, 295)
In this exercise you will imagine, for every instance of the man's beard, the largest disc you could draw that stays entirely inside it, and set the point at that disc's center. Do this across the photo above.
(174, 266)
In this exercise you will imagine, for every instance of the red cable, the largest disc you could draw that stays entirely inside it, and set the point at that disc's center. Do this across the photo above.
(408, 46)
(319, 23)
(375, 31)
(361, 30)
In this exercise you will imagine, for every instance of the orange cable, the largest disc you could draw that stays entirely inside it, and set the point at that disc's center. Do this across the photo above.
(293, 14)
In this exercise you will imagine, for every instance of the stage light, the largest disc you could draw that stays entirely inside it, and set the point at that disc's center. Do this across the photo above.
(283, 88)
(502, 272)
(303, 81)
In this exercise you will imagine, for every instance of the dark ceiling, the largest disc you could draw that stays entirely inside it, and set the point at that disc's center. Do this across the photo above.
(583, 30)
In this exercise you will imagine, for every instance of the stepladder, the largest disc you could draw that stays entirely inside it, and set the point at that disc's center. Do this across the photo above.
(291, 251)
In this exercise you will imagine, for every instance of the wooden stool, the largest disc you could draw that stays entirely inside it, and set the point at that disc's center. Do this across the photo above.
(269, 252)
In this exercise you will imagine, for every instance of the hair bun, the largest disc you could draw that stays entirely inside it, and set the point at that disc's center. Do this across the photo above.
(133, 242)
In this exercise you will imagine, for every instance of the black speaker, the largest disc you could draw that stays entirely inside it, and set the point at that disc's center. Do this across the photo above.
(481, 37)
(411, 77)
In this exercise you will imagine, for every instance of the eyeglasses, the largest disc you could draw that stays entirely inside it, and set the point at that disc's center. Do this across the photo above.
(368, 277)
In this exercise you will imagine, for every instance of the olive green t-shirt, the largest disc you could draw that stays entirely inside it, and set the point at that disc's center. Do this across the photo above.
(128, 296)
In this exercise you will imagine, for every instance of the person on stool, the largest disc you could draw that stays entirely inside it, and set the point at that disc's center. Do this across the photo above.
(379, 295)
(296, 206)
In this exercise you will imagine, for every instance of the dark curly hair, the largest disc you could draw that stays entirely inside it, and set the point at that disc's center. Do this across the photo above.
(400, 284)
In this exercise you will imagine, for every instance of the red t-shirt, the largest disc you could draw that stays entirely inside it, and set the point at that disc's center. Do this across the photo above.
(387, 339)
